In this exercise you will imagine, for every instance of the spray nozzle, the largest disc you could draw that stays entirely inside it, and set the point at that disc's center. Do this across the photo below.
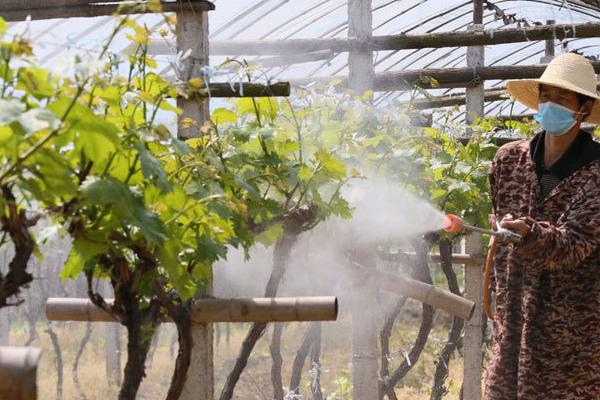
(454, 224)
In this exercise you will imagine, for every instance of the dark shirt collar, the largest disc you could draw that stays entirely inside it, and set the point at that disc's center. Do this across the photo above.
(581, 152)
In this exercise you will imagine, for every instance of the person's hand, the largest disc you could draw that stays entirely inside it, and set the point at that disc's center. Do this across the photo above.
(516, 225)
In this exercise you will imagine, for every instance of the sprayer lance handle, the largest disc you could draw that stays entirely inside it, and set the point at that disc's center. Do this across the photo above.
(501, 233)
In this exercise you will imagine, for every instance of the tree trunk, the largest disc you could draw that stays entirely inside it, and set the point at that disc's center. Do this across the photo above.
(59, 361)
(315, 369)
(277, 361)
(300, 359)
(184, 356)
(441, 371)
(384, 338)
(74, 371)
(281, 254)
(138, 345)
(421, 273)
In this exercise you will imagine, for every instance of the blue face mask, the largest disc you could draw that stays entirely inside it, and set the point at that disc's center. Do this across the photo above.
(555, 119)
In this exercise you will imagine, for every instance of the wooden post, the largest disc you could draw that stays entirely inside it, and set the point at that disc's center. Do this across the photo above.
(360, 63)
(473, 339)
(192, 33)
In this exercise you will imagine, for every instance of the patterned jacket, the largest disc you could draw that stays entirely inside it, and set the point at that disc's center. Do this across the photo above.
(546, 341)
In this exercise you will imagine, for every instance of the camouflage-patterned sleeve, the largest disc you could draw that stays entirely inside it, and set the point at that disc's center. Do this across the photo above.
(574, 237)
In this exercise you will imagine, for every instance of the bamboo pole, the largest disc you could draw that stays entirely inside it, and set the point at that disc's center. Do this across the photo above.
(407, 41)
(457, 258)
(428, 294)
(282, 309)
(237, 89)
(279, 61)
(18, 369)
(443, 77)
(15, 10)
(453, 100)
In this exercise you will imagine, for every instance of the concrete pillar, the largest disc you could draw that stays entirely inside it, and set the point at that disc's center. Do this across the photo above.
(549, 51)
(365, 380)
(360, 63)
(473, 339)
(192, 33)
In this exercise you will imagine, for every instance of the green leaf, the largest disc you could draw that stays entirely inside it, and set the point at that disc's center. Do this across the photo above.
(3, 26)
(181, 280)
(223, 116)
(271, 235)
(152, 169)
(335, 168)
(36, 82)
(73, 266)
(97, 137)
(6, 133)
(110, 192)
(304, 173)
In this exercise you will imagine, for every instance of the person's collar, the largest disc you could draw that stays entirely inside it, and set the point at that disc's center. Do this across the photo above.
(580, 152)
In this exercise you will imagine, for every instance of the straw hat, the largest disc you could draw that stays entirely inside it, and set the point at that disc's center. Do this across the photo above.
(568, 71)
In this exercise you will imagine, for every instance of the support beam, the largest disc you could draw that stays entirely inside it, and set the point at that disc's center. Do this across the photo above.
(360, 61)
(444, 77)
(364, 371)
(457, 99)
(549, 49)
(279, 61)
(192, 34)
(17, 10)
(453, 100)
(258, 309)
(236, 89)
(406, 41)
(456, 258)
(473, 338)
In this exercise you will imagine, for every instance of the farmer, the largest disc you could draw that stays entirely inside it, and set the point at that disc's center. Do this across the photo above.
(546, 341)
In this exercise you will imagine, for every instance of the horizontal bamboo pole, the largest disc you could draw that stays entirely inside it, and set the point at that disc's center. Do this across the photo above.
(456, 258)
(464, 76)
(237, 89)
(279, 61)
(15, 10)
(280, 309)
(18, 369)
(407, 41)
(428, 294)
(453, 100)
(444, 77)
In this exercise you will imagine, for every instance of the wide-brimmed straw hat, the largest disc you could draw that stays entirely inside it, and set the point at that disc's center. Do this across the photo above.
(568, 71)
